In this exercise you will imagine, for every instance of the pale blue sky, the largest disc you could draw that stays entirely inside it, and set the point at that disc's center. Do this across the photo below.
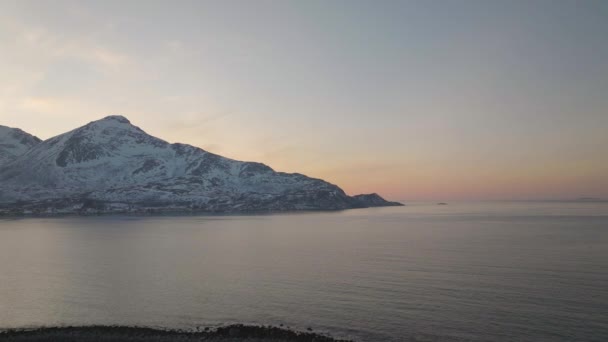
(413, 99)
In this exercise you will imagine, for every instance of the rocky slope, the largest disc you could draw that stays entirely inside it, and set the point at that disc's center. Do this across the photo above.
(14, 143)
(110, 165)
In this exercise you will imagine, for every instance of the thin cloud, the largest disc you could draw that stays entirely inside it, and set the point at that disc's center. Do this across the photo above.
(48, 45)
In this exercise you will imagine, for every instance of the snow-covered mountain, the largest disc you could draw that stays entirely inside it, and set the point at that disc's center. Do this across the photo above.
(14, 143)
(110, 165)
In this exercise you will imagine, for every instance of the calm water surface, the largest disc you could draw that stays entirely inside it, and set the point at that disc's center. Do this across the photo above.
(463, 272)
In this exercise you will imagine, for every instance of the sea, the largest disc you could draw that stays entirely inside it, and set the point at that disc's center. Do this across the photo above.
(465, 271)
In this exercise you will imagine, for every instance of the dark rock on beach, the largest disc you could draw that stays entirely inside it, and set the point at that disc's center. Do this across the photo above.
(232, 333)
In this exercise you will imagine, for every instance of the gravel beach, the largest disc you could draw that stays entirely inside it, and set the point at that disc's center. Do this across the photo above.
(232, 333)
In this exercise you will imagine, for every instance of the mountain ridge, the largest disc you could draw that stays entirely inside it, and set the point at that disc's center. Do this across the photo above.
(110, 165)
(14, 142)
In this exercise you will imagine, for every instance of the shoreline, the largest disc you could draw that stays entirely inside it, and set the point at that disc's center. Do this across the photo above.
(102, 333)
(178, 213)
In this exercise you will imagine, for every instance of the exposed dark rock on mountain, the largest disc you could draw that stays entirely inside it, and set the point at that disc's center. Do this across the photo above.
(110, 166)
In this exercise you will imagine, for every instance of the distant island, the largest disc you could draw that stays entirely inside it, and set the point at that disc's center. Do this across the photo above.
(590, 199)
(112, 166)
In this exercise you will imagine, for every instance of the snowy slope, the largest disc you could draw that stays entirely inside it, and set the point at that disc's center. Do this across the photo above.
(14, 143)
(112, 165)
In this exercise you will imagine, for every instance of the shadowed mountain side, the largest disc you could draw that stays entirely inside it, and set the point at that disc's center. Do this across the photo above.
(111, 166)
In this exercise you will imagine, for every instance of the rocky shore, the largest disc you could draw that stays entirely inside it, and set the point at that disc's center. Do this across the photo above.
(231, 333)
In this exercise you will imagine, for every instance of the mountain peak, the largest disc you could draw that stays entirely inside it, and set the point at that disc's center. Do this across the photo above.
(118, 118)
(113, 123)
(110, 137)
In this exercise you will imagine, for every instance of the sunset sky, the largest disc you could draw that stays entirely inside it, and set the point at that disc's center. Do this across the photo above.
(429, 100)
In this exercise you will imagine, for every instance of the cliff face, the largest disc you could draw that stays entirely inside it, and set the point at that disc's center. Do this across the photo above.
(110, 165)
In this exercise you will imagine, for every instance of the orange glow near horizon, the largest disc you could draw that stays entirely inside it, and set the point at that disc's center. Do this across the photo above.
(436, 104)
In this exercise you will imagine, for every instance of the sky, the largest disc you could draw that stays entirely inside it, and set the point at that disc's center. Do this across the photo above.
(415, 100)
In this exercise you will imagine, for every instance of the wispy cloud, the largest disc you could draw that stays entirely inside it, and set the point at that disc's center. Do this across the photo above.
(51, 45)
